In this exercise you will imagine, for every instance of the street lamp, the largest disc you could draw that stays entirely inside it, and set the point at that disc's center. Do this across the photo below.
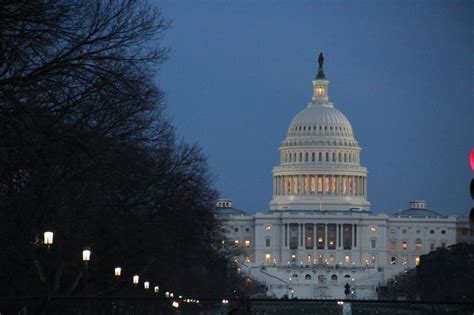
(136, 278)
(146, 285)
(118, 271)
(48, 238)
(86, 257)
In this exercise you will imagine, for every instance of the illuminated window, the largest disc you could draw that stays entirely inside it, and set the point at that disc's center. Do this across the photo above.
(351, 184)
(236, 242)
(417, 260)
(268, 228)
(373, 229)
(313, 184)
(344, 182)
(288, 185)
(320, 184)
(333, 184)
(306, 184)
(309, 259)
(347, 259)
(331, 259)
(293, 258)
(268, 257)
(320, 259)
(326, 184)
(247, 243)
(405, 245)
(418, 244)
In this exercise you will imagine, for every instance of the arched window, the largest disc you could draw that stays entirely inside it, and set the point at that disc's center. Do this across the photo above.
(312, 157)
(320, 156)
(345, 157)
(405, 245)
(290, 157)
(418, 244)
(306, 157)
(334, 157)
(301, 157)
(294, 275)
(307, 277)
(334, 278)
(347, 276)
(339, 157)
(327, 156)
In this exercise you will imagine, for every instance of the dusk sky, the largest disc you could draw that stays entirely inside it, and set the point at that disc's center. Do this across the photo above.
(400, 71)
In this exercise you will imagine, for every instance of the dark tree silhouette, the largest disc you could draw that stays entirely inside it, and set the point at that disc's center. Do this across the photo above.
(85, 151)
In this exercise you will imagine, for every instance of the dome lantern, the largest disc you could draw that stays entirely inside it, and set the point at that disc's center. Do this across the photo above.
(320, 84)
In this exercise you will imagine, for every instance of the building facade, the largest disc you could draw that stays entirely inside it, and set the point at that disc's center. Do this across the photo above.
(320, 236)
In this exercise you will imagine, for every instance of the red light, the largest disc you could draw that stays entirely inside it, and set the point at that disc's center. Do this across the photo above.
(472, 159)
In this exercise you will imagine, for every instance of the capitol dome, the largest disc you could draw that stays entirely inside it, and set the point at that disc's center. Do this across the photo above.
(319, 159)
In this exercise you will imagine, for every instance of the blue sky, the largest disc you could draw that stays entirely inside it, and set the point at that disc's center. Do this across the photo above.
(401, 71)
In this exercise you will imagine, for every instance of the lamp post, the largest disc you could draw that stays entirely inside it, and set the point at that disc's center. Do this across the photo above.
(48, 238)
(136, 279)
(86, 257)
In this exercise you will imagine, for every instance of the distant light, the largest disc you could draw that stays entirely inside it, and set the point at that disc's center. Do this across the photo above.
(118, 271)
(167, 294)
(156, 289)
(175, 304)
(136, 279)
(146, 285)
(472, 159)
(86, 255)
(171, 295)
(48, 238)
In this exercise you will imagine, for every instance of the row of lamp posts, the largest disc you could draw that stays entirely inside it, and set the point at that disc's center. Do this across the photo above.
(48, 238)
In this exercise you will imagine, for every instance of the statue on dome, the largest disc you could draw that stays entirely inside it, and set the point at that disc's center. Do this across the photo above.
(321, 60)
(320, 74)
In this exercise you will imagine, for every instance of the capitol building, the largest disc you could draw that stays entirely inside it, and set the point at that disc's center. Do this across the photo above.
(320, 237)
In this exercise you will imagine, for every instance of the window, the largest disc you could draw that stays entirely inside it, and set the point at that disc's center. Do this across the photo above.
(339, 157)
(247, 229)
(321, 279)
(293, 236)
(431, 231)
(309, 231)
(405, 245)
(301, 157)
(334, 157)
(404, 231)
(293, 258)
(268, 257)
(326, 184)
(247, 243)
(309, 259)
(307, 277)
(236, 242)
(312, 157)
(417, 260)
(443, 244)
(236, 229)
(331, 259)
(443, 232)
(306, 157)
(347, 276)
(393, 260)
(418, 244)
(333, 278)
(268, 228)
(320, 234)
(247, 259)
(393, 245)
(374, 259)
(347, 259)
(332, 229)
(267, 242)
(313, 184)
(320, 156)
(327, 156)
(320, 259)
(417, 231)
(320, 184)
(373, 243)
(432, 245)
(347, 236)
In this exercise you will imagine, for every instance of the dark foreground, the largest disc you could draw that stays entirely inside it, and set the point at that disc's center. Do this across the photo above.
(157, 306)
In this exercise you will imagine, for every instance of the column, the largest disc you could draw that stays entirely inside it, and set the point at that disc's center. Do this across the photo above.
(301, 179)
(325, 236)
(323, 183)
(274, 186)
